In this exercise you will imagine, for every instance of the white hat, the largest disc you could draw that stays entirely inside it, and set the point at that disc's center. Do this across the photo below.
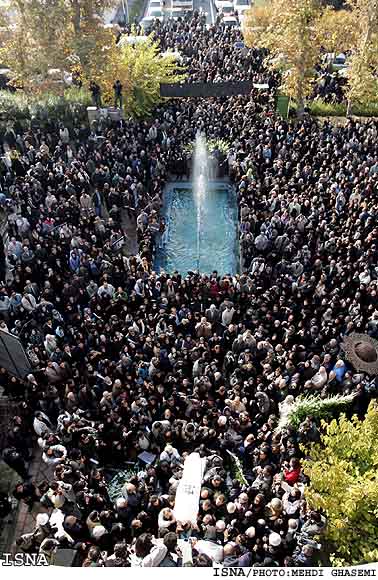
(220, 526)
(276, 504)
(222, 421)
(274, 539)
(231, 507)
(121, 502)
(98, 532)
(250, 532)
(42, 519)
(243, 498)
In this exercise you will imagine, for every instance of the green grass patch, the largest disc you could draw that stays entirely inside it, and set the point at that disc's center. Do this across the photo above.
(321, 109)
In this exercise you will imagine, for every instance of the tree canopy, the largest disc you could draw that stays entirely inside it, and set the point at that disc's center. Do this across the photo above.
(56, 35)
(343, 470)
(145, 68)
(289, 29)
(50, 38)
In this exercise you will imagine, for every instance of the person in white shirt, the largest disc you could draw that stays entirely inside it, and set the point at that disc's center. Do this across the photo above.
(50, 200)
(60, 493)
(54, 455)
(106, 290)
(41, 424)
(147, 554)
(15, 247)
(171, 455)
(227, 315)
(28, 302)
(64, 135)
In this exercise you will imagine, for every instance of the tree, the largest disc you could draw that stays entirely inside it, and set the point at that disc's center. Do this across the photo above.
(86, 21)
(355, 30)
(46, 35)
(296, 32)
(145, 68)
(343, 472)
(36, 41)
(289, 29)
(70, 36)
(98, 58)
(337, 30)
(363, 64)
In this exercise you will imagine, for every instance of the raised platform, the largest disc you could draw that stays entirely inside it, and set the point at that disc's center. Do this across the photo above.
(94, 114)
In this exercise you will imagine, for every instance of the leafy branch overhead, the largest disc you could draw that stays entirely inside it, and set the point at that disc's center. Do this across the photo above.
(45, 36)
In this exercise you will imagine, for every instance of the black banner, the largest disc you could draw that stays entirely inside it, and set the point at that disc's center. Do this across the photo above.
(227, 89)
(12, 355)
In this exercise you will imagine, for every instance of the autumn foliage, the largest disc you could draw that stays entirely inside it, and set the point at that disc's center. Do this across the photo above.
(48, 40)
(298, 32)
(343, 471)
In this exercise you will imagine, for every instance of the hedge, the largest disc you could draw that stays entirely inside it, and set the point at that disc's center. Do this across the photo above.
(319, 108)
(23, 108)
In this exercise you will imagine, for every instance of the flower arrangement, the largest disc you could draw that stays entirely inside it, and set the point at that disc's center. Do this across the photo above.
(117, 483)
(315, 406)
(238, 469)
(212, 145)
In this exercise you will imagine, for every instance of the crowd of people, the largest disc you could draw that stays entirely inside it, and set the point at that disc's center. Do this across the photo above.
(130, 363)
(329, 87)
(211, 53)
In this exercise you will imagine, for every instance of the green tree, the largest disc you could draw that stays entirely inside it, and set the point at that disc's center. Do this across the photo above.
(69, 36)
(289, 29)
(337, 29)
(343, 472)
(145, 68)
(88, 36)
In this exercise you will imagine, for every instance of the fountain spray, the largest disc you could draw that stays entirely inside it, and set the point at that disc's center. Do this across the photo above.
(200, 183)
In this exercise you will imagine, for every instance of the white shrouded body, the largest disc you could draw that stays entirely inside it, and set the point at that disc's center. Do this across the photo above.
(189, 489)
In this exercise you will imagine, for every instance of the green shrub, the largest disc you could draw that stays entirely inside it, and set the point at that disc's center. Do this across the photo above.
(14, 105)
(19, 106)
(322, 109)
(319, 108)
(75, 96)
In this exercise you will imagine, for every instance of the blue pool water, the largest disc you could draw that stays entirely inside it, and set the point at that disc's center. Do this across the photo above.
(204, 240)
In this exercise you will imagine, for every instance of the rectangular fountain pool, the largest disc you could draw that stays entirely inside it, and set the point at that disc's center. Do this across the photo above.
(200, 234)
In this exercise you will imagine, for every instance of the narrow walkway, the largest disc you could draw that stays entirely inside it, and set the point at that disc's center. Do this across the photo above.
(129, 228)
(19, 521)
(25, 522)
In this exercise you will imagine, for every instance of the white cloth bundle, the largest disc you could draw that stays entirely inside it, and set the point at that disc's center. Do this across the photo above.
(189, 489)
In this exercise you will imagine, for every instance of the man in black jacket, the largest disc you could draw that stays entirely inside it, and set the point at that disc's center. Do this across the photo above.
(172, 559)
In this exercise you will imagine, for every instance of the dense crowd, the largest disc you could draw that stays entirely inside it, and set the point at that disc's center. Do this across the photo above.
(130, 363)
(211, 53)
